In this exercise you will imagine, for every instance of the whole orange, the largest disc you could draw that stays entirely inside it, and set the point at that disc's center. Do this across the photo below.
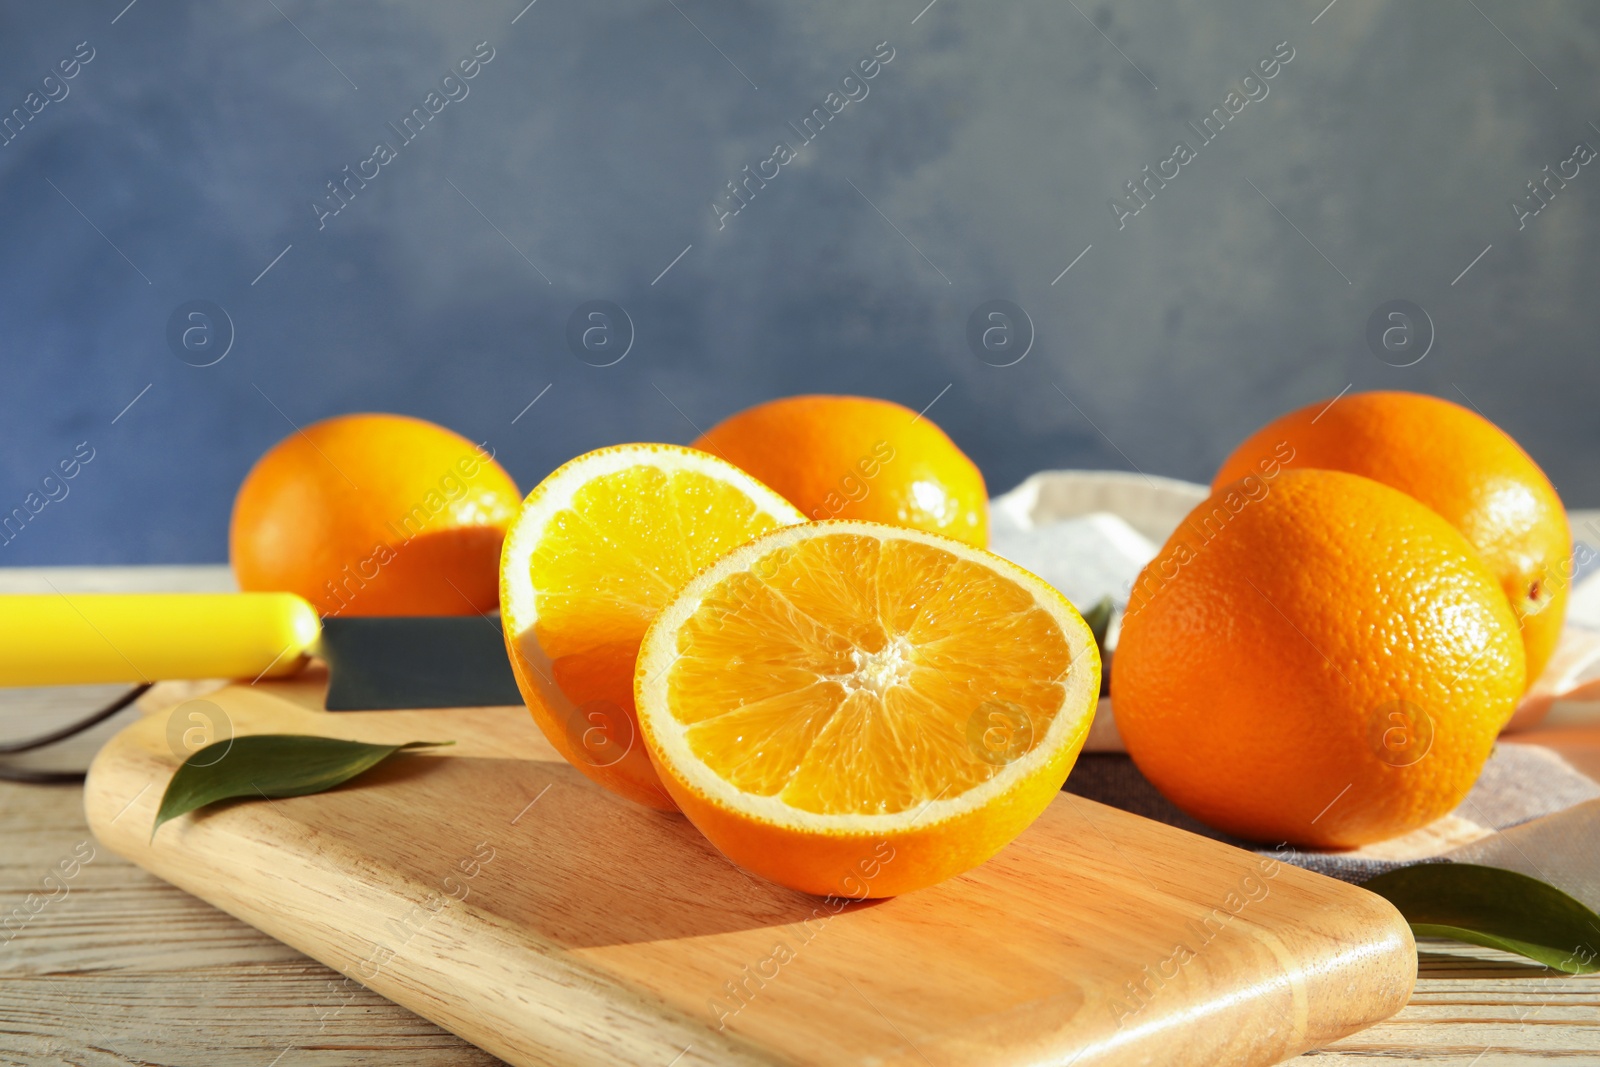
(1459, 464)
(374, 515)
(1315, 658)
(854, 457)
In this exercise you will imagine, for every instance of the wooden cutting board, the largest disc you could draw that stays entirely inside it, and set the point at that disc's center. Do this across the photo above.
(491, 888)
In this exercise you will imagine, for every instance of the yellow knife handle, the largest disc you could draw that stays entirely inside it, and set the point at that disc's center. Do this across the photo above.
(83, 638)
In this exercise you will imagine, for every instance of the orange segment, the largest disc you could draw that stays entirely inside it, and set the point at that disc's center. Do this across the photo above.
(654, 530)
(841, 682)
(874, 676)
(600, 547)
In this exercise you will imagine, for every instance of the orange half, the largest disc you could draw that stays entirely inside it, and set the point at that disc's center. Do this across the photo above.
(857, 709)
(598, 549)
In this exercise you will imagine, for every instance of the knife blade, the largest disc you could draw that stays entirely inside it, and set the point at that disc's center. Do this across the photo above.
(437, 661)
(374, 662)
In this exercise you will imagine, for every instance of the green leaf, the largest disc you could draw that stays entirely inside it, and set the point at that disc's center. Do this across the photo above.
(269, 765)
(1495, 908)
(1099, 620)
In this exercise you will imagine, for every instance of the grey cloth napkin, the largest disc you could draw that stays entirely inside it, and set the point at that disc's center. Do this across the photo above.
(1562, 849)
(1533, 804)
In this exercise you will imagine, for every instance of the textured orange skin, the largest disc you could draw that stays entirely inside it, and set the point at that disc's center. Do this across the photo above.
(299, 522)
(1259, 650)
(1460, 465)
(633, 776)
(817, 450)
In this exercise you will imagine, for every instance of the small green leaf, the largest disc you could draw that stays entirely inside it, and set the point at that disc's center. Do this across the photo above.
(1495, 908)
(269, 765)
(1099, 620)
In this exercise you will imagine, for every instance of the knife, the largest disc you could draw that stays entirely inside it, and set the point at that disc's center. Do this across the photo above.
(374, 662)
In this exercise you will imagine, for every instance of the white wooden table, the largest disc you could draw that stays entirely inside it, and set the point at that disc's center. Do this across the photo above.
(125, 969)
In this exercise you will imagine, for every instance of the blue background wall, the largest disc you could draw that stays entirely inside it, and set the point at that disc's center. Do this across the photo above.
(187, 155)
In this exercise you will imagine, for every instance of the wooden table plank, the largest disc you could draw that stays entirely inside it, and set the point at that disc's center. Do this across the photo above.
(125, 969)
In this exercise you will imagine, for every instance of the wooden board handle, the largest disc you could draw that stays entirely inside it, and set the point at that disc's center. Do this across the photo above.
(80, 639)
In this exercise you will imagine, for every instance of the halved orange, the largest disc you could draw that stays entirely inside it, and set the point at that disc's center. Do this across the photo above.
(599, 547)
(856, 709)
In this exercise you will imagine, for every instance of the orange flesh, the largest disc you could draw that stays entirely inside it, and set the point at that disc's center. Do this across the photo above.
(601, 572)
(848, 674)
